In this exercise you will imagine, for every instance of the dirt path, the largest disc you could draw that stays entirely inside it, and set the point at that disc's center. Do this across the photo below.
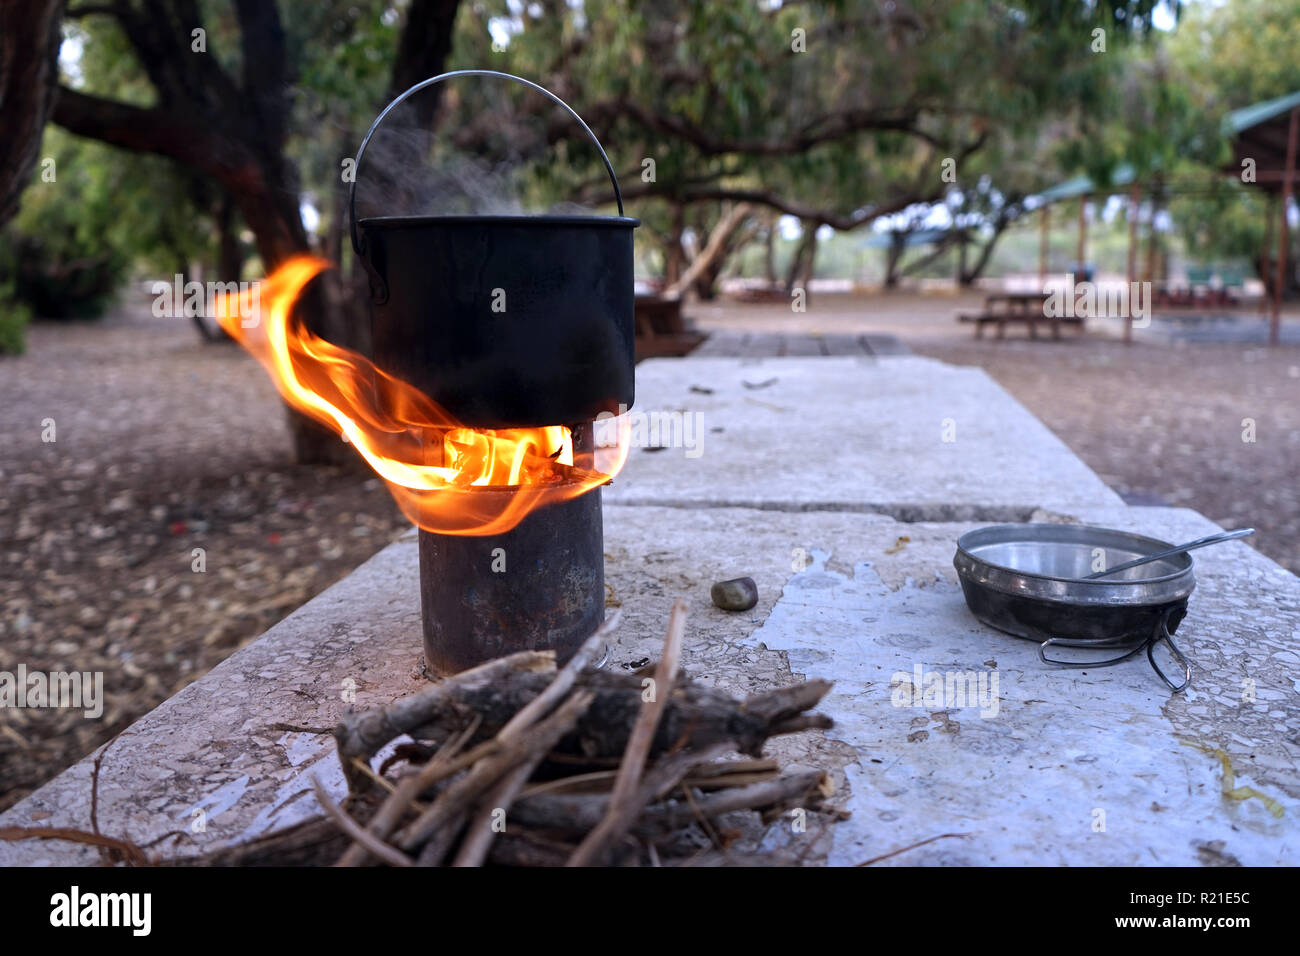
(163, 446)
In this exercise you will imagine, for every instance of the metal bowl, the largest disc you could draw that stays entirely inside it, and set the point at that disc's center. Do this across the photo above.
(1030, 580)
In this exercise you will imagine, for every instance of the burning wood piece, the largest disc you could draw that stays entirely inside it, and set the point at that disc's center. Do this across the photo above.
(537, 767)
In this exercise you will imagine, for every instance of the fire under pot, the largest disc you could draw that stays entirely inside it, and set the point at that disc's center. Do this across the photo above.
(508, 323)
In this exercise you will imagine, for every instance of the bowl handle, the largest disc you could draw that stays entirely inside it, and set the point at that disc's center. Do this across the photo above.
(1159, 633)
(1162, 633)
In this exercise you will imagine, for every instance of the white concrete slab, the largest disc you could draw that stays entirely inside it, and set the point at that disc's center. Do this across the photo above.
(1039, 765)
(1024, 784)
(906, 436)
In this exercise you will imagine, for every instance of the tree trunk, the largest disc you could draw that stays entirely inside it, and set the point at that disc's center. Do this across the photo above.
(893, 255)
(230, 257)
(809, 268)
(29, 49)
(230, 264)
(675, 256)
(714, 254)
(968, 277)
(801, 264)
(769, 254)
(1153, 239)
(232, 129)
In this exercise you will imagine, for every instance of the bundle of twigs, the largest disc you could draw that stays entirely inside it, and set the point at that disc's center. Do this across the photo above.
(518, 763)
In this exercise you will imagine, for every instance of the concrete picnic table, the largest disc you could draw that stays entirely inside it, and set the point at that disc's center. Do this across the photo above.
(840, 485)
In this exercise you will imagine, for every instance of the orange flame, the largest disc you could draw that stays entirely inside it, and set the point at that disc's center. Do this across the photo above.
(447, 478)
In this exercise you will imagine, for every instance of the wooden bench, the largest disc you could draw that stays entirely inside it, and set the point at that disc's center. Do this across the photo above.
(1002, 308)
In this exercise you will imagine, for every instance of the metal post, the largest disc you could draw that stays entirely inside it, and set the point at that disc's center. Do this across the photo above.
(1270, 213)
(1082, 251)
(1045, 224)
(1134, 204)
(1283, 231)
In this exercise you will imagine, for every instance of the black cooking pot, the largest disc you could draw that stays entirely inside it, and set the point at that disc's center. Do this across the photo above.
(504, 321)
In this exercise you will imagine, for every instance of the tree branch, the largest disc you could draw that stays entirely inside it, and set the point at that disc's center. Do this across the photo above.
(763, 197)
(422, 52)
(29, 44)
(815, 132)
(261, 38)
(155, 130)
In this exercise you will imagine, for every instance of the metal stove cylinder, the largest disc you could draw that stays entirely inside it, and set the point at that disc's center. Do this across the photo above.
(538, 586)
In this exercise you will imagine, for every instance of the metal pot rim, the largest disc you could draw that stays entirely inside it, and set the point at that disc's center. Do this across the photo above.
(1161, 589)
(408, 222)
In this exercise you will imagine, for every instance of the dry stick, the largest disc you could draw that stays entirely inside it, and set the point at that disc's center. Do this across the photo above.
(568, 783)
(556, 689)
(731, 773)
(514, 728)
(703, 714)
(886, 856)
(94, 795)
(353, 829)
(794, 725)
(533, 746)
(365, 768)
(638, 745)
(579, 813)
(363, 734)
(703, 821)
(727, 781)
(456, 799)
(478, 841)
(661, 778)
(795, 786)
(404, 795)
(647, 722)
(737, 767)
(440, 842)
(444, 820)
(131, 851)
(401, 799)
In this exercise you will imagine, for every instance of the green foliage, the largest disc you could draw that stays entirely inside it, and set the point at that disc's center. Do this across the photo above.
(715, 93)
(1239, 53)
(97, 213)
(14, 317)
(1223, 57)
(1226, 223)
(719, 96)
(68, 245)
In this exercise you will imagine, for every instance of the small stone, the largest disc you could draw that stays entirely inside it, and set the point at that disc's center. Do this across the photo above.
(738, 594)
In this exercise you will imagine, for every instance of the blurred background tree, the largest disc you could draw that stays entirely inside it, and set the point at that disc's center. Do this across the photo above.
(210, 136)
(836, 114)
(1224, 57)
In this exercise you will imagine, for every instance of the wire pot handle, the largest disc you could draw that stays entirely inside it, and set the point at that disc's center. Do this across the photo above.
(352, 192)
(1159, 633)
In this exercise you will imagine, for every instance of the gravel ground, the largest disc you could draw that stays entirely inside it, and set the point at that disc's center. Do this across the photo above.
(163, 446)
(1165, 424)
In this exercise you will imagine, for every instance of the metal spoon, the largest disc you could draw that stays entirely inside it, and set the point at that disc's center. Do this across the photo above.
(1170, 552)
